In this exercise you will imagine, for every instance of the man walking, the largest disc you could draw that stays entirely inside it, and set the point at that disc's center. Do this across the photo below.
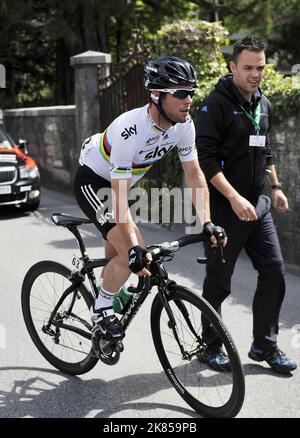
(235, 155)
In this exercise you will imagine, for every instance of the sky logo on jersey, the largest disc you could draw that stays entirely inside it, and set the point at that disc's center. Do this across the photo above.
(158, 153)
(204, 109)
(238, 113)
(128, 132)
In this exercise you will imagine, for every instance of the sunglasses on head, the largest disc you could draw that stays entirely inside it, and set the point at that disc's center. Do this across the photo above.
(180, 93)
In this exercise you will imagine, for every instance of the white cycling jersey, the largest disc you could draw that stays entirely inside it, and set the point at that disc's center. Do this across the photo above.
(133, 143)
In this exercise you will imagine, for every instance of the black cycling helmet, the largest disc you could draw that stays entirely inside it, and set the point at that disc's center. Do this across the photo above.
(168, 70)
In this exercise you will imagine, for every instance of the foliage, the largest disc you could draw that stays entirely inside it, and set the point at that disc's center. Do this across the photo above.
(38, 37)
(199, 42)
(283, 92)
(27, 55)
(284, 39)
(277, 22)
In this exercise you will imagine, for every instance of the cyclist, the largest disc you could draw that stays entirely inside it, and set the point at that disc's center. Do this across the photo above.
(120, 156)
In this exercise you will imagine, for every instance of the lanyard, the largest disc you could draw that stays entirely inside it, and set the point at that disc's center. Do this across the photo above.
(254, 120)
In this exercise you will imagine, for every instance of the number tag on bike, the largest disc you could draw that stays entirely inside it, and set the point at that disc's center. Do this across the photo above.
(77, 263)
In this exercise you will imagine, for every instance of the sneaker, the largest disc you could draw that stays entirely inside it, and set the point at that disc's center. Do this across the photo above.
(217, 360)
(277, 360)
(106, 319)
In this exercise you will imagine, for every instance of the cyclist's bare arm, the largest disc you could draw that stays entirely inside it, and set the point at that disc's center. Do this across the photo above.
(123, 218)
(126, 226)
(195, 179)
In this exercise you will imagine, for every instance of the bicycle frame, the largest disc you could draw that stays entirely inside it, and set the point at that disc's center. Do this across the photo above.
(176, 319)
(159, 277)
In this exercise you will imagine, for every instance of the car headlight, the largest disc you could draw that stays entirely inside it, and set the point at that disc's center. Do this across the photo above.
(29, 172)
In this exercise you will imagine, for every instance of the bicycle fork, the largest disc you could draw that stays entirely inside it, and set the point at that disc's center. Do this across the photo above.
(173, 325)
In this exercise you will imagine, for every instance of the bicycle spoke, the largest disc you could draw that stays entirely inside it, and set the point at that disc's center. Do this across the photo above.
(205, 389)
(66, 348)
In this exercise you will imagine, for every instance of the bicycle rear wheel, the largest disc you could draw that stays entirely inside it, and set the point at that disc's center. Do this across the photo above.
(210, 393)
(62, 343)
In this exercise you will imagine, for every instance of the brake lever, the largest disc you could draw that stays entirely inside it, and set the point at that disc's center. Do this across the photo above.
(220, 246)
(219, 237)
(221, 253)
(204, 260)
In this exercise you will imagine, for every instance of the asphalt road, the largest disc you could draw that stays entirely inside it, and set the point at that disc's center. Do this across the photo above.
(136, 387)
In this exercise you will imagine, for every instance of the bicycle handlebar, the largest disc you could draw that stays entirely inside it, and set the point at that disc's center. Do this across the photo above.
(166, 248)
(169, 247)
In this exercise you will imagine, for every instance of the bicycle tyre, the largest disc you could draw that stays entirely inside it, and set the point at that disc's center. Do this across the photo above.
(37, 278)
(234, 403)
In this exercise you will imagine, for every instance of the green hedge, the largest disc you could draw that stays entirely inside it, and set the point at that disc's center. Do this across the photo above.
(283, 92)
(200, 43)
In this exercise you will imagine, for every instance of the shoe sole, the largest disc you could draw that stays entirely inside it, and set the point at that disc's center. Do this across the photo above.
(256, 358)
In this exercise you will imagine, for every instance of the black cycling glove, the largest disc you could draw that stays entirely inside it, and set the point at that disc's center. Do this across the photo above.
(137, 260)
(211, 229)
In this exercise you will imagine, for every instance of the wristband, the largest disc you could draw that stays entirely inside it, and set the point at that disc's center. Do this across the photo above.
(276, 186)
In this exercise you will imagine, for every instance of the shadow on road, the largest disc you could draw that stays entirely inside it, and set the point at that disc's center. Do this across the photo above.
(39, 397)
(256, 369)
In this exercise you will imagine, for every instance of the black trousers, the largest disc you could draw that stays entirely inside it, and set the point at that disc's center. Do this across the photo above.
(260, 240)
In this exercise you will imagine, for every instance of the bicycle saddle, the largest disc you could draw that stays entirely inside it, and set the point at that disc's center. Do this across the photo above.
(65, 220)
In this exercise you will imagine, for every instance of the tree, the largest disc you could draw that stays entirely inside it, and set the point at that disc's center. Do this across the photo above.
(284, 40)
(26, 53)
(49, 32)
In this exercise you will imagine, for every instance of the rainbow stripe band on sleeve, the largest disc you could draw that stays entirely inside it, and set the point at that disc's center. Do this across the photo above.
(105, 147)
(137, 169)
(140, 169)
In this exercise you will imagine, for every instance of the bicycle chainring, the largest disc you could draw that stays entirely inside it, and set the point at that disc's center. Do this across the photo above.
(106, 349)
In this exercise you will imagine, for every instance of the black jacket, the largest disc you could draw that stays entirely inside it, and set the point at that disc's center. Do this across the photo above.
(223, 132)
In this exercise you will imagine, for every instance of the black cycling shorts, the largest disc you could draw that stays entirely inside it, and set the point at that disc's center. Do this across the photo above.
(93, 194)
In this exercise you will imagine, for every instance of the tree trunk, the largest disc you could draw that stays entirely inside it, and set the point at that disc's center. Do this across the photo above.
(64, 75)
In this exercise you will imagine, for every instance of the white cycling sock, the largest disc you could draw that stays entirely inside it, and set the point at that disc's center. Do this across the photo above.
(104, 299)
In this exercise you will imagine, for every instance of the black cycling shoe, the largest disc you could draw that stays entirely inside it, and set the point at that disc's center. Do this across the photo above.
(277, 360)
(107, 321)
(216, 359)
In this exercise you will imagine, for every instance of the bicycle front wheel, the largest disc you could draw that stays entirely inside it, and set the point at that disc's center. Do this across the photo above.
(210, 393)
(65, 342)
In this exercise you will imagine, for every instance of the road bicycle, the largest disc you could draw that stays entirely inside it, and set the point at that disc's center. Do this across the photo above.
(56, 308)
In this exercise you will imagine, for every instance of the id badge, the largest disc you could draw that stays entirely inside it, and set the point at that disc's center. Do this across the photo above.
(258, 141)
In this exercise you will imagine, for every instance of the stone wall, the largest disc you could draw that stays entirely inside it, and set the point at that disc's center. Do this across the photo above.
(51, 136)
(55, 134)
(285, 138)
